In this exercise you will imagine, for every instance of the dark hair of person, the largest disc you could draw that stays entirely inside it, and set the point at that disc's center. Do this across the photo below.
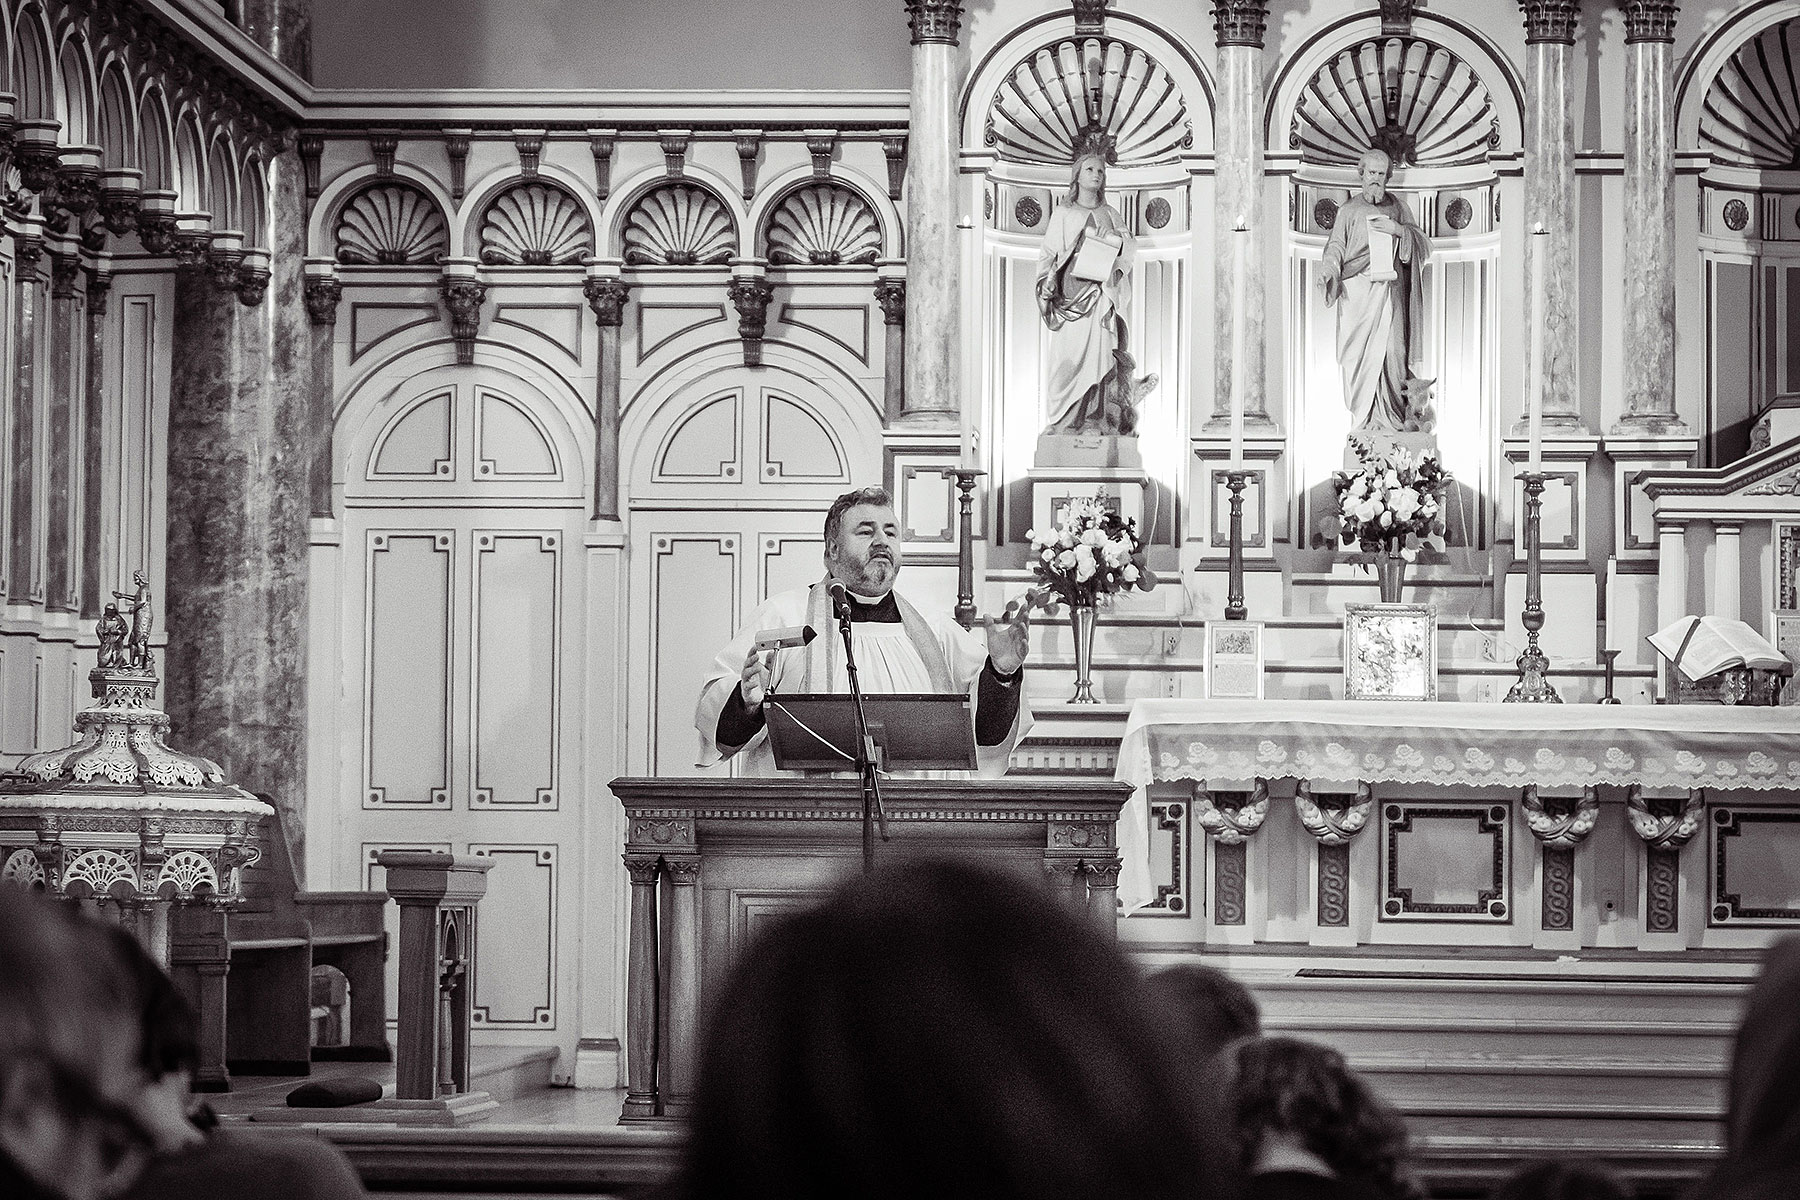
(171, 1039)
(1309, 1092)
(1762, 1119)
(1561, 1181)
(936, 1029)
(834, 516)
(1217, 1008)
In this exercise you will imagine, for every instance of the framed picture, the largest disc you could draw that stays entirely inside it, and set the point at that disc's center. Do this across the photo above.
(1234, 660)
(1785, 587)
(1390, 652)
(1784, 631)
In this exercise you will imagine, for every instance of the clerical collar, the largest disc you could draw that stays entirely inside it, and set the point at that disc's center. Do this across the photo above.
(878, 609)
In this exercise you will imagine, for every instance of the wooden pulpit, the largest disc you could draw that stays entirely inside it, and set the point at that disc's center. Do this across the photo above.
(711, 859)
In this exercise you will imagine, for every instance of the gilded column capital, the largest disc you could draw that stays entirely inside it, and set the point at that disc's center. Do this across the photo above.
(1550, 20)
(1650, 20)
(937, 21)
(607, 298)
(1241, 22)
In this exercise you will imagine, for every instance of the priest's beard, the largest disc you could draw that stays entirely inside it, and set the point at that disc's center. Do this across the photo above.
(870, 576)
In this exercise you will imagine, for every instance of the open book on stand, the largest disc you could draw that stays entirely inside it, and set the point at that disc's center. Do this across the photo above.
(1720, 660)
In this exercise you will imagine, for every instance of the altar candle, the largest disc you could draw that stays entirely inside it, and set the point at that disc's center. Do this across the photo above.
(1240, 264)
(1540, 240)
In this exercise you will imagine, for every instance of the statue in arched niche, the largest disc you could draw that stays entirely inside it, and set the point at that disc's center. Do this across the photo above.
(1373, 272)
(1084, 296)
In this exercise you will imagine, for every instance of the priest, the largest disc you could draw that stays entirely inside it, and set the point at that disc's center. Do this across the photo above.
(898, 649)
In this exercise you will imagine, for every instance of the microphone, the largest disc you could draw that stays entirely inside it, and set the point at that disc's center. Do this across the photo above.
(840, 597)
(784, 638)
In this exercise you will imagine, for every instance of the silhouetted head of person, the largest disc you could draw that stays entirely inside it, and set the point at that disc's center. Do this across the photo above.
(1305, 1095)
(169, 1051)
(1561, 1181)
(1215, 1008)
(935, 1029)
(71, 1055)
(1762, 1120)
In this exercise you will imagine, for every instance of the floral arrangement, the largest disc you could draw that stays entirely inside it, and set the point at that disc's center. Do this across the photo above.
(1092, 552)
(1389, 496)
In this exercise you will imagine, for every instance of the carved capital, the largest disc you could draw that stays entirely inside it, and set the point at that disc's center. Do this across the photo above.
(322, 296)
(64, 268)
(891, 295)
(751, 296)
(224, 268)
(462, 301)
(642, 867)
(37, 163)
(77, 190)
(1241, 22)
(607, 298)
(1104, 873)
(682, 872)
(252, 284)
(1550, 20)
(934, 21)
(191, 251)
(1090, 17)
(119, 210)
(28, 251)
(1560, 822)
(1650, 20)
(1231, 823)
(99, 291)
(156, 231)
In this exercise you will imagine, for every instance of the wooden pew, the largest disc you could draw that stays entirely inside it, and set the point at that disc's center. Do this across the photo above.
(248, 972)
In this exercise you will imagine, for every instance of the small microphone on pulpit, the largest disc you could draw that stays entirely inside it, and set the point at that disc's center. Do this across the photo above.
(840, 597)
(784, 638)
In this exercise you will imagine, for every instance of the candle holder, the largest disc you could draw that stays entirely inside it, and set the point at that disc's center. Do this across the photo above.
(1533, 687)
(1606, 658)
(965, 478)
(1235, 609)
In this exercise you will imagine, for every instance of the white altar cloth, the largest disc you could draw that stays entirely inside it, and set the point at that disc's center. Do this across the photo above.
(1454, 744)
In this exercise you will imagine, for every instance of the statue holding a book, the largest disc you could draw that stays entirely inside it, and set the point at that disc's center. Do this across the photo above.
(1084, 296)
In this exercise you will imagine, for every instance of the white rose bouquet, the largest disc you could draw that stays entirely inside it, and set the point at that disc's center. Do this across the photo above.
(1388, 497)
(1092, 552)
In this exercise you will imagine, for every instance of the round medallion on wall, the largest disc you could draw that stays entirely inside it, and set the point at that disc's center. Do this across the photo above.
(1176, 905)
(1737, 215)
(1028, 212)
(1458, 213)
(1721, 912)
(1157, 213)
(1392, 908)
(1325, 214)
(1497, 909)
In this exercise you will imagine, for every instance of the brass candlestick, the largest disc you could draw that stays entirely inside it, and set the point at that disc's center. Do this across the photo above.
(1533, 687)
(1235, 609)
(965, 478)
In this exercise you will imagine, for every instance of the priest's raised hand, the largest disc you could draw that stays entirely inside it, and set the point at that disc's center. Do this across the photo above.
(1009, 637)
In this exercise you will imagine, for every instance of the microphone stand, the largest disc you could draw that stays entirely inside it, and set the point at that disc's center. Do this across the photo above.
(867, 757)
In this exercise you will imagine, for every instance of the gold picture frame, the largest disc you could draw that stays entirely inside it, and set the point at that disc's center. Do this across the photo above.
(1390, 652)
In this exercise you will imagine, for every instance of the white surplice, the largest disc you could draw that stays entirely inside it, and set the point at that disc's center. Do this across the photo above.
(887, 662)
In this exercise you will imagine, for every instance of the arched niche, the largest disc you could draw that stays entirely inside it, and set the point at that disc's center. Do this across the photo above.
(822, 223)
(190, 167)
(156, 142)
(75, 80)
(389, 222)
(221, 186)
(534, 223)
(775, 188)
(678, 223)
(119, 148)
(34, 79)
(253, 187)
(479, 200)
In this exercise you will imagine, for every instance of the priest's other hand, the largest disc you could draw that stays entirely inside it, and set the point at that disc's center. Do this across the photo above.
(754, 679)
(1009, 637)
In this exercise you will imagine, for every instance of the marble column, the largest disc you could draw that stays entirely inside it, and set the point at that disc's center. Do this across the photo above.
(1240, 26)
(1550, 202)
(1728, 570)
(933, 394)
(93, 587)
(323, 291)
(606, 296)
(1649, 350)
(283, 28)
(62, 441)
(22, 582)
(239, 465)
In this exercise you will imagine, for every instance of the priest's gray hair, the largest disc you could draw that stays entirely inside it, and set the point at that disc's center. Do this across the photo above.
(834, 517)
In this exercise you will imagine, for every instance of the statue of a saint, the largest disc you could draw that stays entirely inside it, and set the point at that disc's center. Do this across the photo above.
(1084, 296)
(1373, 271)
(138, 658)
(113, 631)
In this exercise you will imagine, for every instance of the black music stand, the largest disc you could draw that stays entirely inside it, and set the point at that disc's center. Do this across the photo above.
(911, 731)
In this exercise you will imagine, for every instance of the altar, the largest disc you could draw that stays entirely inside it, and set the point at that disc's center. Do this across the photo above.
(1485, 818)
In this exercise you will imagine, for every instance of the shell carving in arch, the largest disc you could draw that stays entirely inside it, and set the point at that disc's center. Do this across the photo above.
(1751, 114)
(679, 225)
(391, 224)
(823, 224)
(1410, 97)
(1085, 92)
(535, 225)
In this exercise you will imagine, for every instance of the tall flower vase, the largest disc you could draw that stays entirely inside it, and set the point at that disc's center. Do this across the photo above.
(1081, 617)
(1390, 572)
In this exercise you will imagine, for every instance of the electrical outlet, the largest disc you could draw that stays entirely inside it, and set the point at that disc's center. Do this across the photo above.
(1171, 685)
(1171, 642)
